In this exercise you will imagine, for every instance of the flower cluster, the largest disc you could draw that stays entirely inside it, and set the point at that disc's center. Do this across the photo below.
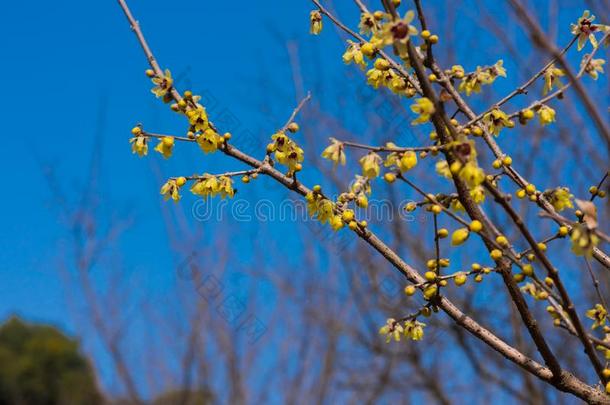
(472, 82)
(209, 185)
(323, 209)
(403, 161)
(287, 152)
(412, 329)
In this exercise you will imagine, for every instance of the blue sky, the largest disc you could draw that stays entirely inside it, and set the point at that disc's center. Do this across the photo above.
(73, 70)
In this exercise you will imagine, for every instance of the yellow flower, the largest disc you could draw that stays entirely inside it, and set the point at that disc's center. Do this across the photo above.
(397, 84)
(598, 314)
(478, 194)
(336, 222)
(583, 240)
(165, 146)
(459, 236)
(472, 82)
(287, 152)
(472, 174)
(560, 198)
(198, 118)
(391, 329)
(206, 186)
(370, 165)
(170, 190)
(376, 77)
(414, 330)
(457, 71)
(367, 23)
(407, 161)
(209, 140)
(425, 108)
(546, 115)
(585, 29)
(139, 145)
(442, 168)
(498, 69)
(163, 84)
(593, 67)
(497, 119)
(397, 33)
(354, 54)
(551, 78)
(315, 19)
(322, 208)
(225, 187)
(404, 161)
(335, 152)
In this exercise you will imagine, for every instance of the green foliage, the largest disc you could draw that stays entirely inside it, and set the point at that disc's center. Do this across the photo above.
(41, 366)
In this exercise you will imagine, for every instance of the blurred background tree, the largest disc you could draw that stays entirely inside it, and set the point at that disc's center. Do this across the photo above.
(42, 366)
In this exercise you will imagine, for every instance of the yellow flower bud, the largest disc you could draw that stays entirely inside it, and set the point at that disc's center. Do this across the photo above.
(245, 179)
(496, 254)
(348, 215)
(410, 207)
(425, 34)
(502, 241)
(389, 177)
(443, 233)
(520, 193)
(430, 275)
(433, 39)
(459, 236)
(476, 226)
(410, 290)
(460, 279)
(430, 291)
(368, 49)
(563, 231)
(293, 127)
(136, 131)
(181, 181)
(381, 64)
(528, 270)
(527, 114)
